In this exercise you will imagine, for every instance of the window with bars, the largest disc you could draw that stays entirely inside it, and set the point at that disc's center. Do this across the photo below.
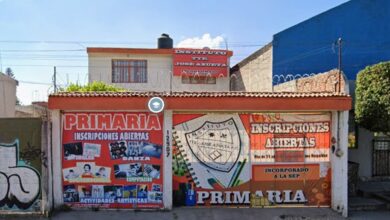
(129, 71)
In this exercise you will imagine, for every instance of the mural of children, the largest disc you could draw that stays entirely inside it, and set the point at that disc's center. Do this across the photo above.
(87, 171)
(71, 175)
(101, 173)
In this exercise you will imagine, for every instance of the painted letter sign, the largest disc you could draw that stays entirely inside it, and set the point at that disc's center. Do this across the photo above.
(200, 62)
(257, 159)
(112, 159)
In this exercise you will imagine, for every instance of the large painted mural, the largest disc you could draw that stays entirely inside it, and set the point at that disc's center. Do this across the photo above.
(112, 160)
(21, 160)
(260, 159)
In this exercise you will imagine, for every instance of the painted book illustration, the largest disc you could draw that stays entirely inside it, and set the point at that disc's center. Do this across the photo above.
(214, 147)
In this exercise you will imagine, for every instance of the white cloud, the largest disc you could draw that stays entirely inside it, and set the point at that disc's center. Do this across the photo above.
(200, 42)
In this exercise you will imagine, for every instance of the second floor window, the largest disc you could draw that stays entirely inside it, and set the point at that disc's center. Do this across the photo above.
(129, 71)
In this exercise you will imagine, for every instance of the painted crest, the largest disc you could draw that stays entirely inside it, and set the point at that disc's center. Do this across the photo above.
(217, 145)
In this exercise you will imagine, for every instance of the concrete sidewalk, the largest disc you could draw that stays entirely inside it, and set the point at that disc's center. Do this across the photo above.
(212, 214)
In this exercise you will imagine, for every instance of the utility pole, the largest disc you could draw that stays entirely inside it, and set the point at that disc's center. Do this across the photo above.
(339, 42)
(55, 79)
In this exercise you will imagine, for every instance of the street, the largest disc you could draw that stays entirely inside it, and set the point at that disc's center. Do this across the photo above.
(212, 214)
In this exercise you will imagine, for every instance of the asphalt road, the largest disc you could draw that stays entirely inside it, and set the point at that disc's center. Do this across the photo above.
(211, 214)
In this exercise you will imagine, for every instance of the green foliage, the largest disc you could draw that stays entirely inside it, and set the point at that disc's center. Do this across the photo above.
(372, 107)
(93, 87)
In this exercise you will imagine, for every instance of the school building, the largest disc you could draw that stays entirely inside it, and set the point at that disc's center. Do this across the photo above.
(155, 150)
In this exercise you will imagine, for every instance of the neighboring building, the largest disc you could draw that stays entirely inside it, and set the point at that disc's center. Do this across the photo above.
(8, 96)
(140, 69)
(311, 46)
(254, 73)
(35, 110)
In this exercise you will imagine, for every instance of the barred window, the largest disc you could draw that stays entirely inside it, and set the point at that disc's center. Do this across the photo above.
(129, 71)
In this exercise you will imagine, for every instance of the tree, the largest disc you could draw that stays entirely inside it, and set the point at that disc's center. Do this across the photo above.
(372, 107)
(9, 72)
(95, 86)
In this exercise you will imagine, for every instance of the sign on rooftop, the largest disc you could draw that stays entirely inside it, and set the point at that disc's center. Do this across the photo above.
(200, 62)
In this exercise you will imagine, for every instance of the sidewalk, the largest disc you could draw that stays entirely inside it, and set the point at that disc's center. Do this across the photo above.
(213, 214)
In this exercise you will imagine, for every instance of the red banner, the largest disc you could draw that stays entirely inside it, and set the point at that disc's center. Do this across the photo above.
(200, 62)
(112, 160)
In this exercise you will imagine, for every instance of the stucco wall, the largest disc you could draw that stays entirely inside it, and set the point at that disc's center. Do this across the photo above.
(363, 154)
(24, 159)
(159, 68)
(8, 96)
(254, 74)
(159, 74)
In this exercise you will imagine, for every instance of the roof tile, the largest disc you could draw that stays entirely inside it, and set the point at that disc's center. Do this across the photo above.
(202, 94)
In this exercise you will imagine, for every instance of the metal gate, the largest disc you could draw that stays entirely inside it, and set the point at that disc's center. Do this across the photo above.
(381, 157)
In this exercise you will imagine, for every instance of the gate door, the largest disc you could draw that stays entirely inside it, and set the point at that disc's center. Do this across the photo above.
(381, 157)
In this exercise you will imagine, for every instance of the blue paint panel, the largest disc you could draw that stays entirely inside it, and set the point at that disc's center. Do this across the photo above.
(309, 47)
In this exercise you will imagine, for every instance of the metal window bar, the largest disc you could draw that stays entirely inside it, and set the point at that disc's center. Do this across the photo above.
(381, 157)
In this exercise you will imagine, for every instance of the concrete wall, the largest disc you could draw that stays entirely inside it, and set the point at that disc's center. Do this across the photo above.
(7, 96)
(363, 153)
(321, 82)
(308, 47)
(339, 162)
(254, 74)
(24, 159)
(159, 71)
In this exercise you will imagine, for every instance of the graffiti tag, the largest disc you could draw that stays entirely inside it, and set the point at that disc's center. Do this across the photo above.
(19, 184)
(32, 152)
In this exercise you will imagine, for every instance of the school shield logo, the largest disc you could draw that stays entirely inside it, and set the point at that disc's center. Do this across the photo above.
(216, 144)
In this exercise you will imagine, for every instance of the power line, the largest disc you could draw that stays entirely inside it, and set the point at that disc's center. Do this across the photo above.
(32, 82)
(53, 50)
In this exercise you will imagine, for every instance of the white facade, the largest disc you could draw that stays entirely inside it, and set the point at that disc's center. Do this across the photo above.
(8, 96)
(159, 73)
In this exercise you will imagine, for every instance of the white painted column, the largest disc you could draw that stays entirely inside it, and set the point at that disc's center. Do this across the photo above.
(56, 159)
(167, 154)
(339, 162)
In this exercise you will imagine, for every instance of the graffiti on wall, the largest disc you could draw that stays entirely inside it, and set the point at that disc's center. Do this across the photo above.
(251, 159)
(21, 162)
(19, 183)
(112, 160)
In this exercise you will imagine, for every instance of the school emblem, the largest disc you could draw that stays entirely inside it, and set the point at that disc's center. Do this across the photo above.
(216, 145)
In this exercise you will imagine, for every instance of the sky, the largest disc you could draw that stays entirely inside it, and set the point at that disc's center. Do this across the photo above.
(36, 35)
